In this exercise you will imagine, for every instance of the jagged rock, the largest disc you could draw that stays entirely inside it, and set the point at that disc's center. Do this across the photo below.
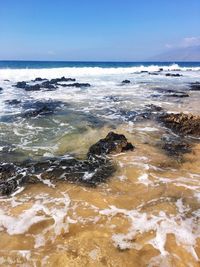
(173, 75)
(62, 79)
(21, 85)
(183, 124)
(78, 85)
(95, 169)
(41, 108)
(126, 81)
(112, 143)
(39, 79)
(35, 87)
(48, 85)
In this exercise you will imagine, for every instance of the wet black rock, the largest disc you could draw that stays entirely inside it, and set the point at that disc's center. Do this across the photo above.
(195, 86)
(148, 112)
(34, 109)
(21, 85)
(126, 81)
(13, 102)
(176, 146)
(170, 93)
(39, 79)
(27, 87)
(48, 85)
(1, 89)
(112, 143)
(78, 85)
(35, 87)
(97, 168)
(88, 172)
(62, 79)
(153, 73)
(173, 75)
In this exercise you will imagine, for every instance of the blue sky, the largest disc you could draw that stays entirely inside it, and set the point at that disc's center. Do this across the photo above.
(96, 29)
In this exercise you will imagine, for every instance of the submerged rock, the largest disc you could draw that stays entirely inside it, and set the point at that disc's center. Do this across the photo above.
(13, 102)
(40, 108)
(176, 146)
(35, 87)
(195, 86)
(171, 93)
(97, 168)
(183, 124)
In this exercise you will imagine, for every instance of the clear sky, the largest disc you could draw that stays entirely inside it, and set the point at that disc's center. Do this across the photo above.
(96, 29)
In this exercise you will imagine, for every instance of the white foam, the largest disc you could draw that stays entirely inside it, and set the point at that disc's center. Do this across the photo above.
(143, 179)
(41, 210)
(185, 229)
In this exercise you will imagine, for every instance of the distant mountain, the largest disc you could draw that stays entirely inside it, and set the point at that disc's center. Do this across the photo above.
(179, 54)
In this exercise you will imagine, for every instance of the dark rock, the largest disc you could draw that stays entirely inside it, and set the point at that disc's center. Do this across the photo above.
(153, 73)
(126, 81)
(27, 87)
(1, 89)
(97, 168)
(176, 146)
(21, 85)
(78, 85)
(144, 113)
(62, 79)
(173, 75)
(48, 85)
(183, 124)
(42, 111)
(6, 80)
(195, 86)
(112, 143)
(161, 69)
(40, 108)
(171, 93)
(13, 102)
(35, 87)
(39, 79)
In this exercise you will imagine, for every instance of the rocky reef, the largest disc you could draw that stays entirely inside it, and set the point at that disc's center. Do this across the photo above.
(96, 168)
(49, 84)
(182, 124)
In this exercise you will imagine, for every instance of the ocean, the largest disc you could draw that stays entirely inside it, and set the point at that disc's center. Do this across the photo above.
(146, 213)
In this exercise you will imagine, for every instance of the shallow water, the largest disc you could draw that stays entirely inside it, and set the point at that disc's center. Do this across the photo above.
(147, 214)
